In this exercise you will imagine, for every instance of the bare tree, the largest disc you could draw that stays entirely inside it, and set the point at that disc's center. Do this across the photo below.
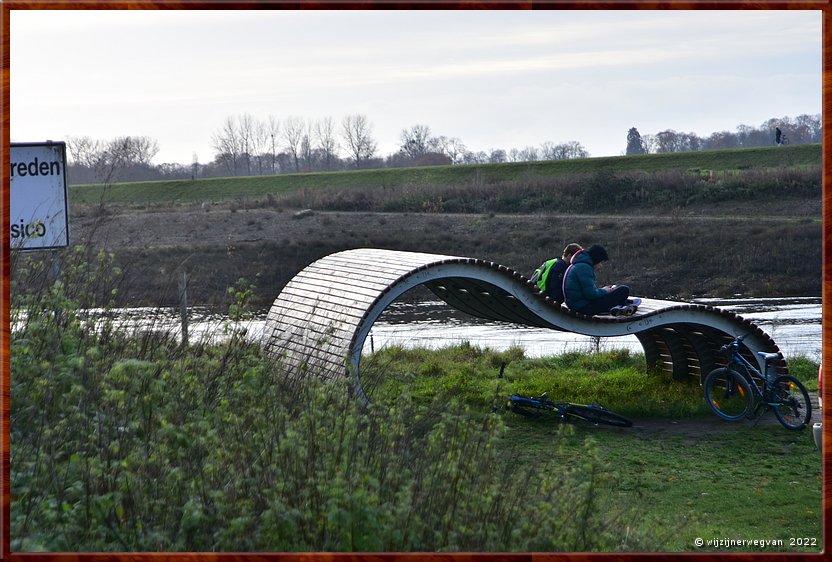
(84, 150)
(529, 154)
(260, 144)
(325, 135)
(306, 147)
(415, 141)
(273, 129)
(226, 142)
(293, 130)
(547, 151)
(246, 129)
(357, 133)
(454, 148)
(142, 150)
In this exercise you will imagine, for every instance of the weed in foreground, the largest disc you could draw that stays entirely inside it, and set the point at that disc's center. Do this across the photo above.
(133, 442)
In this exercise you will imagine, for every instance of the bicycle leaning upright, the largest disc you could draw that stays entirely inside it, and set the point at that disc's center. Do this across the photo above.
(734, 392)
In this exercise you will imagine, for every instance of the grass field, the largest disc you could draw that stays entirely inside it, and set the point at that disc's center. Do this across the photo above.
(686, 477)
(257, 187)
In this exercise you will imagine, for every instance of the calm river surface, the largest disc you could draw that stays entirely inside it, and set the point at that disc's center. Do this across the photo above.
(794, 323)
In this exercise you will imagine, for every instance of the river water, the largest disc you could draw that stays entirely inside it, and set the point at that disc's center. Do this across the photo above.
(793, 322)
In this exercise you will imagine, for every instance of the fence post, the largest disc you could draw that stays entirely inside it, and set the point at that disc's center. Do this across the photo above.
(183, 306)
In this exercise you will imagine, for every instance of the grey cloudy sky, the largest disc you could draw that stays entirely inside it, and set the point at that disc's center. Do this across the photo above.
(494, 79)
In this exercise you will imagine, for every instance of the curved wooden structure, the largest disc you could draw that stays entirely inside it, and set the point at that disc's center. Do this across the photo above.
(320, 321)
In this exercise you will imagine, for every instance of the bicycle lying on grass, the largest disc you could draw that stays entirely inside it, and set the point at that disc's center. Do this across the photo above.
(542, 407)
(734, 392)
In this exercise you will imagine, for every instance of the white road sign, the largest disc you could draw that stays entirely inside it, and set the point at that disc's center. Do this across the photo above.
(37, 190)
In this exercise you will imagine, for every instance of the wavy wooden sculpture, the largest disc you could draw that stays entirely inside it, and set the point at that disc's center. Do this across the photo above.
(320, 321)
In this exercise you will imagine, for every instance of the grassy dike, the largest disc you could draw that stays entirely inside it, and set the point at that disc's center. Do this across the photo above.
(701, 163)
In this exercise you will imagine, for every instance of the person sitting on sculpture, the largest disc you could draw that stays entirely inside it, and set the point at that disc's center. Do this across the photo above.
(549, 276)
(580, 290)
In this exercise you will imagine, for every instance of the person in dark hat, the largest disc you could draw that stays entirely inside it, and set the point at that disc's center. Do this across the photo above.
(580, 290)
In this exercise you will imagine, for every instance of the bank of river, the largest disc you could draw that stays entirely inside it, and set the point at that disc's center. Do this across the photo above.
(660, 255)
(794, 323)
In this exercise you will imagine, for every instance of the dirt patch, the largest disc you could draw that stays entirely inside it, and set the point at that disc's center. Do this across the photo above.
(703, 427)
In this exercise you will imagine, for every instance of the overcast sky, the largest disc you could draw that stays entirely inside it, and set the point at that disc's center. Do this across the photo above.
(494, 79)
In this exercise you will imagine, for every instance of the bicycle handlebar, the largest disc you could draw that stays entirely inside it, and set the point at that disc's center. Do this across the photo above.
(734, 344)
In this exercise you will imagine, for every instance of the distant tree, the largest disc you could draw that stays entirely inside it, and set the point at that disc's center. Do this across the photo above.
(139, 150)
(325, 135)
(293, 131)
(454, 148)
(497, 156)
(307, 148)
(415, 141)
(634, 143)
(260, 149)
(576, 150)
(246, 127)
(357, 132)
(273, 129)
(722, 139)
(667, 141)
(805, 129)
(547, 151)
(226, 141)
(471, 157)
(566, 150)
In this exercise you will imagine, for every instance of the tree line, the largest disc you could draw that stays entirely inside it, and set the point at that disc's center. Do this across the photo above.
(246, 146)
(804, 129)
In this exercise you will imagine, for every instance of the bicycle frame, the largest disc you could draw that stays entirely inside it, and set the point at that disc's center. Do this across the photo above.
(560, 408)
(541, 403)
(762, 393)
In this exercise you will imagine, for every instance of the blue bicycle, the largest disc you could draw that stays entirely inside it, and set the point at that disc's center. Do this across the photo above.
(739, 391)
(542, 407)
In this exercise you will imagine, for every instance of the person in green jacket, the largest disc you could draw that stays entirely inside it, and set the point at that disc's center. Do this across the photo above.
(580, 291)
(549, 276)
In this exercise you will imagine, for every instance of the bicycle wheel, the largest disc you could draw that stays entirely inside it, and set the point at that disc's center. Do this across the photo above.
(598, 414)
(728, 394)
(793, 407)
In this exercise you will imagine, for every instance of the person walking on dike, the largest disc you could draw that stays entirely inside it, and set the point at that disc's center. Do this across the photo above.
(581, 291)
(549, 276)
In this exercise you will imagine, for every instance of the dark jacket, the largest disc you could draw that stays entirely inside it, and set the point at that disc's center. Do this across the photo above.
(579, 286)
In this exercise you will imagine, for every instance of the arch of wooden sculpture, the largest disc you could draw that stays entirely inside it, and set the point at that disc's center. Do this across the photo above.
(320, 321)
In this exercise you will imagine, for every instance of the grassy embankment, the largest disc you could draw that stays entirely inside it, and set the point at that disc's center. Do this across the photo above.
(133, 442)
(349, 190)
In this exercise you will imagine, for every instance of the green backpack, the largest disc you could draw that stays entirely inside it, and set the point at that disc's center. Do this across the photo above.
(541, 274)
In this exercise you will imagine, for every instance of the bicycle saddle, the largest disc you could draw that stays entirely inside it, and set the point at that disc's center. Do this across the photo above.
(768, 356)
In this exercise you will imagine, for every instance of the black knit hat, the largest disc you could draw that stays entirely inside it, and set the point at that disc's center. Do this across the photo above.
(598, 254)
